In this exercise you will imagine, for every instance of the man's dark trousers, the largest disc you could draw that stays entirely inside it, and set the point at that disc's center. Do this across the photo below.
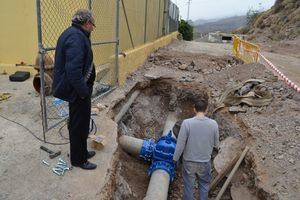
(80, 114)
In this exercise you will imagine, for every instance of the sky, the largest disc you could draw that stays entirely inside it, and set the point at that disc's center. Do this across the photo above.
(212, 9)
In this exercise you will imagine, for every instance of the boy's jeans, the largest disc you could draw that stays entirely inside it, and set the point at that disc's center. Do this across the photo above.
(191, 171)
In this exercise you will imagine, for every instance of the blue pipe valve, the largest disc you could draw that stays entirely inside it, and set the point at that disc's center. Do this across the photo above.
(163, 155)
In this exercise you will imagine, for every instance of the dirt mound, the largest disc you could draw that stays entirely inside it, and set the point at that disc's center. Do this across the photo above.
(171, 81)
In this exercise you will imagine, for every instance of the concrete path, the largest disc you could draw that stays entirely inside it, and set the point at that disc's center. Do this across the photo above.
(22, 174)
(215, 49)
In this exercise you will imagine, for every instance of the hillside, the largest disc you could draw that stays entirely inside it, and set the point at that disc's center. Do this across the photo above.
(223, 25)
(281, 22)
(203, 21)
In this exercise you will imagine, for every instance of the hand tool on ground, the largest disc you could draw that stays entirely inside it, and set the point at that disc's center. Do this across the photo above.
(45, 163)
(52, 154)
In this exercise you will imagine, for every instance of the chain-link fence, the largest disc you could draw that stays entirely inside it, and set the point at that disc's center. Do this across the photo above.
(173, 17)
(120, 25)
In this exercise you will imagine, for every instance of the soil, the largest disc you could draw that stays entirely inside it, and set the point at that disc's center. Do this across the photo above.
(171, 80)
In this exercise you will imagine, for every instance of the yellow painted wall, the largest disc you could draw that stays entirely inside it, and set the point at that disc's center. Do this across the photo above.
(136, 57)
(18, 34)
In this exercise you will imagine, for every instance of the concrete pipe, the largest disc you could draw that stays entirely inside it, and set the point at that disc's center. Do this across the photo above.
(158, 185)
(48, 83)
(170, 123)
(48, 69)
(131, 145)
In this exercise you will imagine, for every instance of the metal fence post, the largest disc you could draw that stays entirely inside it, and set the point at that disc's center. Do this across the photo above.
(90, 4)
(127, 23)
(177, 19)
(158, 23)
(146, 16)
(41, 65)
(165, 17)
(117, 42)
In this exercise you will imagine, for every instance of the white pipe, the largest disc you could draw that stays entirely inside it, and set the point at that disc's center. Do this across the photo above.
(158, 185)
(131, 145)
(170, 123)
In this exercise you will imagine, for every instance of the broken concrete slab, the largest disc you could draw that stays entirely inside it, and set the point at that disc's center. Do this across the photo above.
(229, 148)
(237, 109)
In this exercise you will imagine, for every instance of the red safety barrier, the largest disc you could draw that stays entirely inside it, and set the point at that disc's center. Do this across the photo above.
(284, 77)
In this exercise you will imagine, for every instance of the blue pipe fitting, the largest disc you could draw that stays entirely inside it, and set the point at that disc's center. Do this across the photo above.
(166, 166)
(163, 155)
(147, 149)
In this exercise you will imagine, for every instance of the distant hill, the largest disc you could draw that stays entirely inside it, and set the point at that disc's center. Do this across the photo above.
(281, 22)
(203, 21)
(224, 25)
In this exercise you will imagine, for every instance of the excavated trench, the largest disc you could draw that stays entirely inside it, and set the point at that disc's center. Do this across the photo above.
(170, 82)
(145, 119)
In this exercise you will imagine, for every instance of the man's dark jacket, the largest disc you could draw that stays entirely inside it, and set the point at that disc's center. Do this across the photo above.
(73, 58)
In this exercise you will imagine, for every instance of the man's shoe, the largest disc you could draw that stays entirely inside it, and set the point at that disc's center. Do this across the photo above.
(90, 154)
(87, 165)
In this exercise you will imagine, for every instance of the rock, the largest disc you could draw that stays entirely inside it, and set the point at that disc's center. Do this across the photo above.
(192, 64)
(295, 169)
(296, 97)
(274, 184)
(280, 157)
(100, 106)
(272, 125)
(292, 161)
(123, 190)
(236, 109)
(151, 76)
(95, 111)
(228, 150)
(183, 67)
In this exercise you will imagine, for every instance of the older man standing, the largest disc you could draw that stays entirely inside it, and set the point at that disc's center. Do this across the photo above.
(74, 76)
(196, 140)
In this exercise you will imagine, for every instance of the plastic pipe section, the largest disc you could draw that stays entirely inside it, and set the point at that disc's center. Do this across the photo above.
(131, 145)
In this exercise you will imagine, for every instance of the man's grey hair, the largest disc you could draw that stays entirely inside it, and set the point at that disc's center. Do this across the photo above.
(82, 16)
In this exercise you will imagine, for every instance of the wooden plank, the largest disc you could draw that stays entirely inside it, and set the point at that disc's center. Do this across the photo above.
(223, 173)
(232, 173)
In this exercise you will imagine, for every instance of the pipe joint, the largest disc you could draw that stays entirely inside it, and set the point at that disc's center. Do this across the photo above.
(163, 155)
(163, 165)
(147, 149)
